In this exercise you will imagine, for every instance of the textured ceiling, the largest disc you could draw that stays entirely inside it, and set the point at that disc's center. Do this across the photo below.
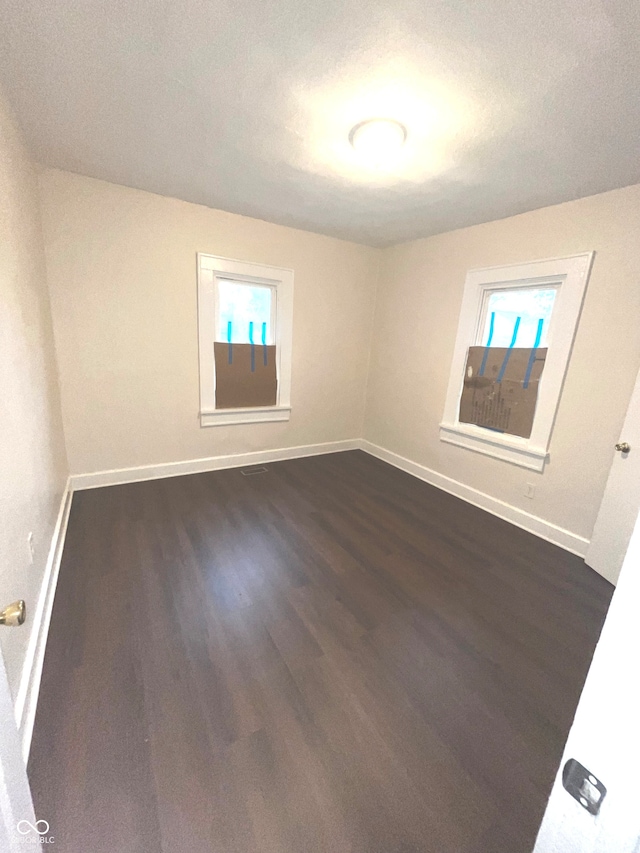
(246, 105)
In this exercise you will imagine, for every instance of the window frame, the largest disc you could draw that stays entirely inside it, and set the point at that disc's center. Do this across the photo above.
(571, 275)
(209, 269)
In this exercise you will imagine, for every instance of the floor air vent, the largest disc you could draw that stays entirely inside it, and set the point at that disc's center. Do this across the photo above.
(249, 472)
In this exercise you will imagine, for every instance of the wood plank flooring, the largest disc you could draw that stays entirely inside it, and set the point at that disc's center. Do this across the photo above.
(329, 657)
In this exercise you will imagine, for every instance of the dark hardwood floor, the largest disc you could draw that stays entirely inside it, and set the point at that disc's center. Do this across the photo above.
(329, 657)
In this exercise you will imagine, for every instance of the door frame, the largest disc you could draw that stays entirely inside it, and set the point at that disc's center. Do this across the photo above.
(18, 828)
(605, 554)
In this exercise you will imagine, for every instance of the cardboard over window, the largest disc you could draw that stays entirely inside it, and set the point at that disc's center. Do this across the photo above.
(501, 388)
(245, 375)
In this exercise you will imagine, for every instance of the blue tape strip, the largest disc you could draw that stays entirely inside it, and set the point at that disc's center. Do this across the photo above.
(488, 344)
(532, 357)
(507, 354)
(229, 342)
(253, 349)
(264, 344)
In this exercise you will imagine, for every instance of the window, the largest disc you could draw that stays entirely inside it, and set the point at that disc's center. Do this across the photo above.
(515, 334)
(523, 312)
(245, 315)
(242, 307)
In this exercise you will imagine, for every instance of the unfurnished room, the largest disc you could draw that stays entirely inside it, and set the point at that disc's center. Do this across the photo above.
(320, 426)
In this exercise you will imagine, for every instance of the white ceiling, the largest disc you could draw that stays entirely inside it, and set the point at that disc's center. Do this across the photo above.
(245, 105)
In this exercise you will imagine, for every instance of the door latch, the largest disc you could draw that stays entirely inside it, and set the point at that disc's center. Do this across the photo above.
(583, 786)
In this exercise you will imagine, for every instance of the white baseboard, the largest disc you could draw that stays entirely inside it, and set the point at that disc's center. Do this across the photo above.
(27, 698)
(545, 529)
(120, 476)
(534, 524)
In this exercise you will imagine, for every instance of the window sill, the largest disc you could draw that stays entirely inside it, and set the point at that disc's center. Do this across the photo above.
(512, 449)
(262, 415)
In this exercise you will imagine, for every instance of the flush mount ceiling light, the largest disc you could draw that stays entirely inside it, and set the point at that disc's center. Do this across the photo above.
(378, 140)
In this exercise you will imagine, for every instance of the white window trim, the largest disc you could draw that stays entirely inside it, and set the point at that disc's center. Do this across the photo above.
(209, 268)
(572, 274)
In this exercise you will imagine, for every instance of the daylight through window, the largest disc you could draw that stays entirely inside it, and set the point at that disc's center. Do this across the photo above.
(245, 319)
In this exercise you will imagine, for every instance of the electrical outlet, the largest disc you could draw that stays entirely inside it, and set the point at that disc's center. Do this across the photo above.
(31, 548)
(529, 490)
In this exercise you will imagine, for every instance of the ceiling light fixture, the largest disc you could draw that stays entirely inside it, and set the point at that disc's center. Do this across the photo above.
(378, 140)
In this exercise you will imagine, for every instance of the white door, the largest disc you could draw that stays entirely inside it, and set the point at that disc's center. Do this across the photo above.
(605, 736)
(17, 820)
(617, 514)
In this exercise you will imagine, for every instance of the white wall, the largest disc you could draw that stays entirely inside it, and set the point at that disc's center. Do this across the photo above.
(122, 274)
(33, 463)
(121, 269)
(419, 297)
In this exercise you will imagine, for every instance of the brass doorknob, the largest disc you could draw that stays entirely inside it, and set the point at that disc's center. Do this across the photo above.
(623, 446)
(14, 614)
